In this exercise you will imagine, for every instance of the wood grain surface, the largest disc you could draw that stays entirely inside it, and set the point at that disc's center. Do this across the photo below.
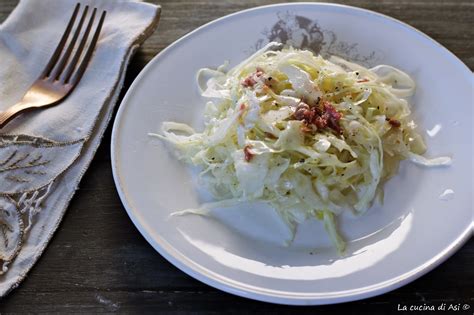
(99, 262)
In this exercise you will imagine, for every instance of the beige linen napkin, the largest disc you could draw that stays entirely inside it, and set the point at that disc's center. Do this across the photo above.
(43, 154)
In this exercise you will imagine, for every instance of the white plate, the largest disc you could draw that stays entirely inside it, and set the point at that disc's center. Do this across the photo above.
(390, 246)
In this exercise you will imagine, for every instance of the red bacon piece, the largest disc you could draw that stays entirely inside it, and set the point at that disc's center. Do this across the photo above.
(248, 153)
(322, 116)
(251, 79)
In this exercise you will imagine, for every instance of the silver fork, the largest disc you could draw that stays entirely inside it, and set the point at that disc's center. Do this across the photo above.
(62, 73)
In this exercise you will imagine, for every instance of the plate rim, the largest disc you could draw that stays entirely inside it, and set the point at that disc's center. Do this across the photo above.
(225, 284)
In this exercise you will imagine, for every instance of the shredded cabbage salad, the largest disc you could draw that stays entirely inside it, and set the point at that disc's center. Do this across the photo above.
(311, 137)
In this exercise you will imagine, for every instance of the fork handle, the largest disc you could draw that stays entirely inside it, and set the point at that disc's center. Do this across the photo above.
(13, 111)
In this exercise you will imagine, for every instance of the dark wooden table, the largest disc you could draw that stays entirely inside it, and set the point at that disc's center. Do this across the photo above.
(99, 262)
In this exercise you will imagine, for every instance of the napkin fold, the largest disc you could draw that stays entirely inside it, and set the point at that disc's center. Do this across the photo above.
(44, 153)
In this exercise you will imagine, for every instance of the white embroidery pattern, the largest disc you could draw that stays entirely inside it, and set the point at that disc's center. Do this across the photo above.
(16, 218)
(29, 167)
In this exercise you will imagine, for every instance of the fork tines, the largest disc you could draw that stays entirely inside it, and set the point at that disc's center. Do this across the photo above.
(61, 66)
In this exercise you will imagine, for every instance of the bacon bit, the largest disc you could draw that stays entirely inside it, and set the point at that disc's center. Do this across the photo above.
(270, 135)
(322, 116)
(248, 153)
(321, 122)
(304, 112)
(248, 81)
(333, 117)
(242, 108)
(393, 122)
(362, 80)
(253, 77)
